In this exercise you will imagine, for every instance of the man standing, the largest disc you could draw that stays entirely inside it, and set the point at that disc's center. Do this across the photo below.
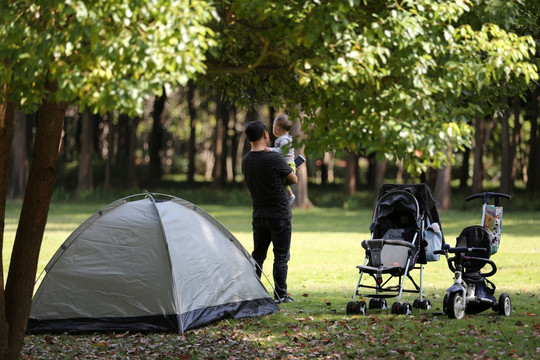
(264, 173)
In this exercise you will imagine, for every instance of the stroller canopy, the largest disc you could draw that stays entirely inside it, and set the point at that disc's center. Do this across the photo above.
(423, 195)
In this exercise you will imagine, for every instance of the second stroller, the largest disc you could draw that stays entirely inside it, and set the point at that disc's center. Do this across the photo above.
(472, 292)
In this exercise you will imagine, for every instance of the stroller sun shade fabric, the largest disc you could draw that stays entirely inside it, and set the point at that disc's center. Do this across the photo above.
(149, 262)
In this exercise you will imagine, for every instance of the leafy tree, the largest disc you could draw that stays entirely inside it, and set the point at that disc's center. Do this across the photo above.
(101, 55)
(392, 78)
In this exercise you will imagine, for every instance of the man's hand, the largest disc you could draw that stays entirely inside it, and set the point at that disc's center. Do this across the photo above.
(291, 179)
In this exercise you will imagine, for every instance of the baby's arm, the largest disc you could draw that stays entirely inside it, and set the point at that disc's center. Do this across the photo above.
(274, 149)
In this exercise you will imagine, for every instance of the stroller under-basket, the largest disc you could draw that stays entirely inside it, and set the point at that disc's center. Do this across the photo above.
(405, 232)
(472, 292)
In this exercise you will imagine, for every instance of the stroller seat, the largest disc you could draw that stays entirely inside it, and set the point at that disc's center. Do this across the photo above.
(386, 256)
(476, 237)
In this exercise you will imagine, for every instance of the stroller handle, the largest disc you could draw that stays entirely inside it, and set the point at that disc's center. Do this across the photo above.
(452, 260)
(462, 249)
(487, 196)
(377, 243)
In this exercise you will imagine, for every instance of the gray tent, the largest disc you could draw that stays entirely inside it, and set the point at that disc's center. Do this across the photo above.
(148, 262)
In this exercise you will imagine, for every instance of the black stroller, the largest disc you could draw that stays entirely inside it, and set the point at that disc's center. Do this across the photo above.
(405, 231)
(472, 292)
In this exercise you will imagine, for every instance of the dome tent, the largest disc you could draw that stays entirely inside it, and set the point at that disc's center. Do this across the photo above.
(147, 262)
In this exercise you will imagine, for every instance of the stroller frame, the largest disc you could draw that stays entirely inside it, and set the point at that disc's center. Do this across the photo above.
(472, 292)
(392, 256)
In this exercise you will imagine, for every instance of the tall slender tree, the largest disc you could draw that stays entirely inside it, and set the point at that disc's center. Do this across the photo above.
(104, 55)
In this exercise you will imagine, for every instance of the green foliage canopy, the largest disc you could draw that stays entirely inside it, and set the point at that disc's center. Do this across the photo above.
(103, 54)
(402, 79)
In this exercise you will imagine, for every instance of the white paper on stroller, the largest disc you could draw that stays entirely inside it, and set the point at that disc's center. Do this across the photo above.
(493, 216)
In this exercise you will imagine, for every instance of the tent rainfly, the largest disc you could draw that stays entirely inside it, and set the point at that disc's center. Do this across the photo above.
(148, 262)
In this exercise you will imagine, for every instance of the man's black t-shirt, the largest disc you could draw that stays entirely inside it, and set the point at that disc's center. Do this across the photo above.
(264, 172)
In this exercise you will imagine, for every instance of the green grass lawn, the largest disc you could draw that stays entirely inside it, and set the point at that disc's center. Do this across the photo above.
(322, 277)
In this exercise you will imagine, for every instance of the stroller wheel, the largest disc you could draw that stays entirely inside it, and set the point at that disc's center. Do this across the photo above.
(417, 304)
(351, 307)
(426, 304)
(505, 305)
(406, 309)
(355, 308)
(400, 308)
(361, 307)
(455, 309)
(377, 303)
(445, 304)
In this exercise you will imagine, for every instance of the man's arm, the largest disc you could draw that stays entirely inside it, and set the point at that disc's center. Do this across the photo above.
(291, 179)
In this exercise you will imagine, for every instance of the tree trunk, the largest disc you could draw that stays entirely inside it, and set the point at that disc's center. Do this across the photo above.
(222, 118)
(508, 154)
(328, 163)
(443, 188)
(478, 146)
(301, 188)
(533, 171)
(19, 165)
(132, 163)
(192, 108)
(233, 146)
(350, 173)
(516, 138)
(464, 169)
(86, 140)
(33, 218)
(107, 149)
(376, 172)
(7, 111)
(155, 142)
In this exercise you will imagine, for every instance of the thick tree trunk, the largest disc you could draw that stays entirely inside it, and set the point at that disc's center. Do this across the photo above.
(33, 218)
(478, 146)
(19, 164)
(86, 140)
(7, 111)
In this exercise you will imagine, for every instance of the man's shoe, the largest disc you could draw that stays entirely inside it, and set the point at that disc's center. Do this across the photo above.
(285, 299)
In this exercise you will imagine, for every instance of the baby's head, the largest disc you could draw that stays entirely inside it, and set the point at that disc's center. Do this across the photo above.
(282, 122)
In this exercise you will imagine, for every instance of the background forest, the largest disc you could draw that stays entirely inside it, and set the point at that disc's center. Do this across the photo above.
(193, 136)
